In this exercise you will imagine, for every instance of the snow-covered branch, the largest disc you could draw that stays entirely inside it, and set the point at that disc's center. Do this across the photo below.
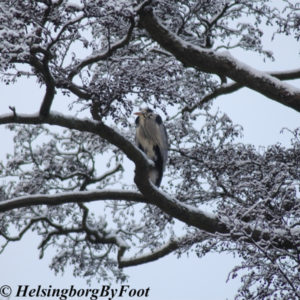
(168, 248)
(185, 213)
(103, 55)
(42, 68)
(70, 197)
(109, 58)
(225, 89)
(222, 64)
(153, 195)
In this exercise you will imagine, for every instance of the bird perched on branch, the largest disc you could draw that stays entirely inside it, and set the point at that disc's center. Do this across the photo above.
(151, 137)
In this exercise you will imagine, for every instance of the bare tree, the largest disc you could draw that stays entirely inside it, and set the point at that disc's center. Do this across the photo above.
(162, 54)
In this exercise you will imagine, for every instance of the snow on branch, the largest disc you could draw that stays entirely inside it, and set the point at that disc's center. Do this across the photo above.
(225, 89)
(42, 67)
(159, 253)
(168, 248)
(188, 214)
(103, 55)
(70, 197)
(220, 63)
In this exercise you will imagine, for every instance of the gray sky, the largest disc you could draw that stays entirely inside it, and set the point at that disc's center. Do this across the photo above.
(169, 278)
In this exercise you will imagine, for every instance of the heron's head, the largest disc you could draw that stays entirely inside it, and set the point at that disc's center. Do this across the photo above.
(145, 113)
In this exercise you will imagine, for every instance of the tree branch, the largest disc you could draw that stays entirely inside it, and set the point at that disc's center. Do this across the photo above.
(43, 69)
(168, 248)
(159, 253)
(222, 90)
(222, 64)
(104, 55)
(71, 197)
(233, 87)
(152, 195)
(286, 75)
(64, 28)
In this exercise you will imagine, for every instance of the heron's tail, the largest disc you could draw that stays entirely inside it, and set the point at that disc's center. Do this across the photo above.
(155, 176)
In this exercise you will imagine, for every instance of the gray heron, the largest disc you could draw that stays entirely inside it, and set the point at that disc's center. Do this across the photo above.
(151, 137)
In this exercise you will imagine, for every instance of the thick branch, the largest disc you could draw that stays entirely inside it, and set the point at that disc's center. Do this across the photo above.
(48, 99)
(43, 69)
(72, 197)
(222, 64)
(233, 87)
(185, 213)
(287, 75)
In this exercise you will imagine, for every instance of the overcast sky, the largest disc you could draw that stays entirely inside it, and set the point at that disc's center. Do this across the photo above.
(169, 278)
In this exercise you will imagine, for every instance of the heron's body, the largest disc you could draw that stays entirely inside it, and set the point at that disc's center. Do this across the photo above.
(151, 138)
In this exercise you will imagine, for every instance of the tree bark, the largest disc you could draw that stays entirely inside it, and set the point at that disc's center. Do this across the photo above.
(220, 63)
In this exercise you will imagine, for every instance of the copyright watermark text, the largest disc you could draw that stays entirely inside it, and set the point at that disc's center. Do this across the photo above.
(102, 292)
(5, 290)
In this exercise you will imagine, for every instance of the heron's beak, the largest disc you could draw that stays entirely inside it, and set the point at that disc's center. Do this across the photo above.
(138, 113)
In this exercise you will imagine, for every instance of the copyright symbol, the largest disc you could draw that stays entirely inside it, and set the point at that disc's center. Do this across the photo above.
(5, 290)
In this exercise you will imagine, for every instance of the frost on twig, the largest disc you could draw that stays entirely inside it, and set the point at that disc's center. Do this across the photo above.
(68, 179)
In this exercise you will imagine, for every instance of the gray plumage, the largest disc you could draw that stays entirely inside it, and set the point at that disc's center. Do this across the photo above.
(151, 138)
